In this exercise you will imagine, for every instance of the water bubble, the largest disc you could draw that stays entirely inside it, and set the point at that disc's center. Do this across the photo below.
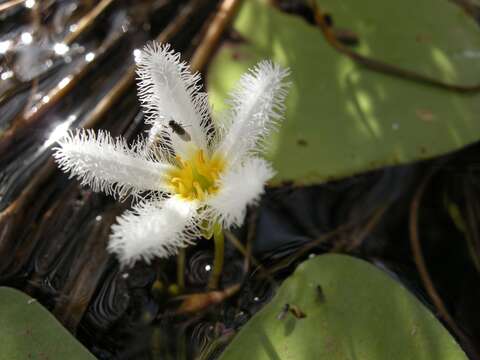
(26, 38)
(89, 57)
(29, 4)
(6, 75)
(60, 48)
(199, 267)
(5, 46)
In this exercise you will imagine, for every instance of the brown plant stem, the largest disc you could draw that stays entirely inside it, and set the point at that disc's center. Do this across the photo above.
(309, 246)
(198, 302)
(471, 231)
(10, 4)
(422, 267)
(86, 21)
(251, 232)
(373, 221)
(380, 66)
(246, 252)
(208, 44)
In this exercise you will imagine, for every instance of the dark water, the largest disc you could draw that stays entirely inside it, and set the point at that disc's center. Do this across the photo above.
(53, 232)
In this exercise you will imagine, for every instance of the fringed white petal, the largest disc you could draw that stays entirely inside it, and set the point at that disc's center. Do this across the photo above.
(257, 107)
(110, 165)
(239, 187)
(154, 229)
(169, 91)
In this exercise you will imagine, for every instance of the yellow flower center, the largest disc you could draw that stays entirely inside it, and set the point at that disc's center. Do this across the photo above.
(196, 178)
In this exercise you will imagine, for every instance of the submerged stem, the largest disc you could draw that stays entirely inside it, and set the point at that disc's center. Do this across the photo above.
(181, 269)
(219, 241)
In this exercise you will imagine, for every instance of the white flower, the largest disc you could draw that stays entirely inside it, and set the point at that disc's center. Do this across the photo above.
(188, 174)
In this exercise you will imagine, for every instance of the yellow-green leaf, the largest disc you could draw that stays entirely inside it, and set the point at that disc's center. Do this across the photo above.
(343, 119)
(353, 311)
(29, 331)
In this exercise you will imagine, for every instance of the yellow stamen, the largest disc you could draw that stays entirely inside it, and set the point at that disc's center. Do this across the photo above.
(199, 190)
(196, 178)
(181, 188)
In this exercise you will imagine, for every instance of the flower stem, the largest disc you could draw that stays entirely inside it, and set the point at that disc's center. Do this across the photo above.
(219, 242)
(181, 269)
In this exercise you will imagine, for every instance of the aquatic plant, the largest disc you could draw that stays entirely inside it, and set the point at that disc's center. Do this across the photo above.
(190, 177)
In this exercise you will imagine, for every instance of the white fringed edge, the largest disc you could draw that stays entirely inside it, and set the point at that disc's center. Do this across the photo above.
(154, 229)
(257, 109)
(108, 164)
(238, 188)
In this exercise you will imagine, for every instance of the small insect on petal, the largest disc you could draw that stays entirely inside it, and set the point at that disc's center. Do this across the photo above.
(179, 130)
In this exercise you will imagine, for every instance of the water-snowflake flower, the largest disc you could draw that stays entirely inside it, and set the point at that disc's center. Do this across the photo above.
(190, 174)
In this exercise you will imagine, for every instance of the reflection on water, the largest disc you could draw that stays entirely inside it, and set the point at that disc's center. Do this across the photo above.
(53, 232)
(65, 64)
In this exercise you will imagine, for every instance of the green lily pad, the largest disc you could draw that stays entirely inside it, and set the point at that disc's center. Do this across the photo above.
(360, 313)
(29, 331)
(343, 119)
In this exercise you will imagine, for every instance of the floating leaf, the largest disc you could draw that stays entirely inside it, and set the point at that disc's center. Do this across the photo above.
(353, 311)
(29, 331)
(343, 119)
